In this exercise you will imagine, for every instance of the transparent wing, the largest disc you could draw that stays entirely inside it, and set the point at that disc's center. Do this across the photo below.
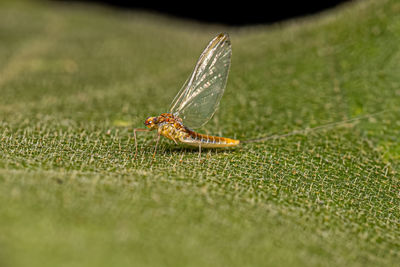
(199, 97)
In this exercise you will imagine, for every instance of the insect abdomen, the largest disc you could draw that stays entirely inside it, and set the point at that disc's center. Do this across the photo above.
(196, 139)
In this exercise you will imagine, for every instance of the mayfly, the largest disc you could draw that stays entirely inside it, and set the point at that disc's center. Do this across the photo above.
(197, 101)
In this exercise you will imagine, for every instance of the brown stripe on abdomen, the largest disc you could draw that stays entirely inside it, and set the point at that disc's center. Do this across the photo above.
(203, 140)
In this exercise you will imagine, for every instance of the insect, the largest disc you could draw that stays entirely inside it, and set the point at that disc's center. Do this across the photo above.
(197, 101)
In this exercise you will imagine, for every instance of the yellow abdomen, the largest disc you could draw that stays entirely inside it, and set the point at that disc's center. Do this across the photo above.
(176, 132)
(196, 139)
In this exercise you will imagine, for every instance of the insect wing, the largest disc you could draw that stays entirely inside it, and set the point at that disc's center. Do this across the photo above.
(199, 97)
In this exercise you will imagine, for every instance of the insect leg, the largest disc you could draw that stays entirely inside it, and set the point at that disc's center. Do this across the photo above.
(199, 151)
(173, 139)
(155, 148)
(134, 135)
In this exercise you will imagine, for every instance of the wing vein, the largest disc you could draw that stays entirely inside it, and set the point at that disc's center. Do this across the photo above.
(199, 97)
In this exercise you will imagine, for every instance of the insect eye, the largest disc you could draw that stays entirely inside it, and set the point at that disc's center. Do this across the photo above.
(150, 121)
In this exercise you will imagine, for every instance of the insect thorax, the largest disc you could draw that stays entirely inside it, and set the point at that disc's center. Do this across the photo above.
(171, 126)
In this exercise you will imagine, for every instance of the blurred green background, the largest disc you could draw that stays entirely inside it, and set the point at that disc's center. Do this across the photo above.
(76, 79)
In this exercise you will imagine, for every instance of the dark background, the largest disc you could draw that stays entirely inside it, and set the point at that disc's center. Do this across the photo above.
(236, 13)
